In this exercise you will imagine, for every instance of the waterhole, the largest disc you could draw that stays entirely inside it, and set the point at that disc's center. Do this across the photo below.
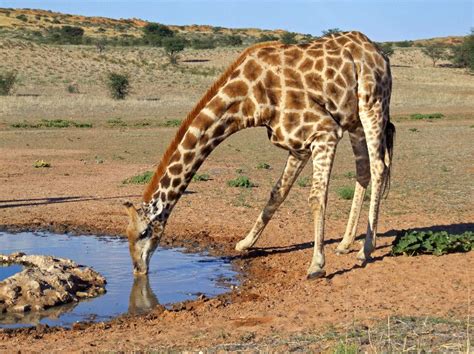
(174, 276)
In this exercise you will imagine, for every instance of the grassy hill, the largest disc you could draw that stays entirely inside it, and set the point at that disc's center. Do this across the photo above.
(32, 24)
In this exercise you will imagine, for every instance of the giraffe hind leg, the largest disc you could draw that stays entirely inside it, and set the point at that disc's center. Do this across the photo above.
(373, 121)
(293, 168)
(359, 147)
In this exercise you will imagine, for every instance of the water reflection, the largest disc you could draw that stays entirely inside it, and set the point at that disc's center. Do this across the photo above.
(142, 298)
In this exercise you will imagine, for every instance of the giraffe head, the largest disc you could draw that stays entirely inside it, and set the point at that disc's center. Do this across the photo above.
(143, 238)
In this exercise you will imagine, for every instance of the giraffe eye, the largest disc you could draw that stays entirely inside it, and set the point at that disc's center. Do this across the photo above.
(144, 233)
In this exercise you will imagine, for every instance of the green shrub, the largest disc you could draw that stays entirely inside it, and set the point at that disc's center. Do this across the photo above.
(241, 182)
(386, 48)
(201, 177)
(304, 181)
(438, 243)
(116, 122)
(142, 178)
(232, 41)
(331, 31)
(263, 166)
(7, 81)
(171, 123)
(72, 88)
(51, 123)
(427, 116)
(65, 35)
(154, 33)
(346, 193)
(267, 38)
(463, 55)
(350, 175)
(119, 85)
(404, 44)
(288, 38)
(203, 43)
(22, 17)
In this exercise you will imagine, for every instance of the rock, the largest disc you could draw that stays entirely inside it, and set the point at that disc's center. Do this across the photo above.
(46, 282)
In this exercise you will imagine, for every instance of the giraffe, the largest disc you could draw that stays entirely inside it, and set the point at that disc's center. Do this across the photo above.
(307, 96)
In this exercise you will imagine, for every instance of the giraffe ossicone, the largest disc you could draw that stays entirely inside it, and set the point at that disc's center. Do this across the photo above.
(306, 95)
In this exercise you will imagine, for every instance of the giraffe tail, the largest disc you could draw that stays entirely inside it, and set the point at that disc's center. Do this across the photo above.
(389, 141)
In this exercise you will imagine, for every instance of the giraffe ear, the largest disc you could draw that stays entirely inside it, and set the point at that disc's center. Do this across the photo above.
(131, 211)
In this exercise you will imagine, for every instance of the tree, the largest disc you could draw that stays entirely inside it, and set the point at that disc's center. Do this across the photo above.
(119, 85)
(330, 31)
(463, 55)
(7, 81)
(154, 33)
(288, 38)
(436, 52)
(233, 40)
(386, 48)
(172, 46)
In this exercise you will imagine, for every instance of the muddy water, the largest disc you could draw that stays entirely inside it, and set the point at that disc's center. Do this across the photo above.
(174, 276)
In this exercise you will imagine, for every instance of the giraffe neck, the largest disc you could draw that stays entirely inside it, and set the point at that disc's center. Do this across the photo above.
(212, 125)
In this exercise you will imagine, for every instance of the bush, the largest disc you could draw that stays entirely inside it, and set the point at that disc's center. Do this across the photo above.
(66, 35)
(330, 31)
(232, 40)
(346, 193)
(463, 55)
(267, 38)
(403, 44)
(72, 88)
(41, 164)
(7, 81)
(438, 243)
(204, 177)
(204, 43)
(142, 178)
(426, 116)
(241, 182)
(22, 17)
(263, 166)
(288, 38)
(386, 48)
(172, 46)
(154, 33)
(119, 85)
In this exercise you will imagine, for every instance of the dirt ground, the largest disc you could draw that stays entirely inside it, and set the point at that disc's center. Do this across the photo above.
(391, 304)
(82, 192)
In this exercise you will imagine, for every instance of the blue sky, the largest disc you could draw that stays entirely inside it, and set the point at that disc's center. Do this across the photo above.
(382, 20)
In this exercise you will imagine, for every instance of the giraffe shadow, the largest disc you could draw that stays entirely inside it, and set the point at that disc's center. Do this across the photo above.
(17, 203)
(269, 251)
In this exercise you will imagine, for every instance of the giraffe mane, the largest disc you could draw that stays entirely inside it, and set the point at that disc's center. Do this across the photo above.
(210, 93)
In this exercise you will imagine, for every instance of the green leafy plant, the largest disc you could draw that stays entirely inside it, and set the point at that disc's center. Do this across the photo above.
(51, 123)
(170, 123)
(304, 181)
(288, 38)
(7, 81)
(41, 164)
(346, 192)
(241, 182)
(72, 88)
(435, 52)
(426, 116)
(263, 166)
(350, 175)
(331, 31)
(116, 122)
(413, 130)
(429, 242)
(142, 178)
(119, 85)
(203, 177)
(172, 46)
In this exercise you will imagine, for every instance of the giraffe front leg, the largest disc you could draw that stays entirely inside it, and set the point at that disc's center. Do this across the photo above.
(323, 156)
(293, 168)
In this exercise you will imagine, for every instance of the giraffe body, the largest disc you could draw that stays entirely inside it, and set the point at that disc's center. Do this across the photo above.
(306, 96)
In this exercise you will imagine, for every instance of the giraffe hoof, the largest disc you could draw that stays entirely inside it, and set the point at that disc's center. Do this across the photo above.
(363, 257)
(241, 246)
(341, 250)
(320, 273)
